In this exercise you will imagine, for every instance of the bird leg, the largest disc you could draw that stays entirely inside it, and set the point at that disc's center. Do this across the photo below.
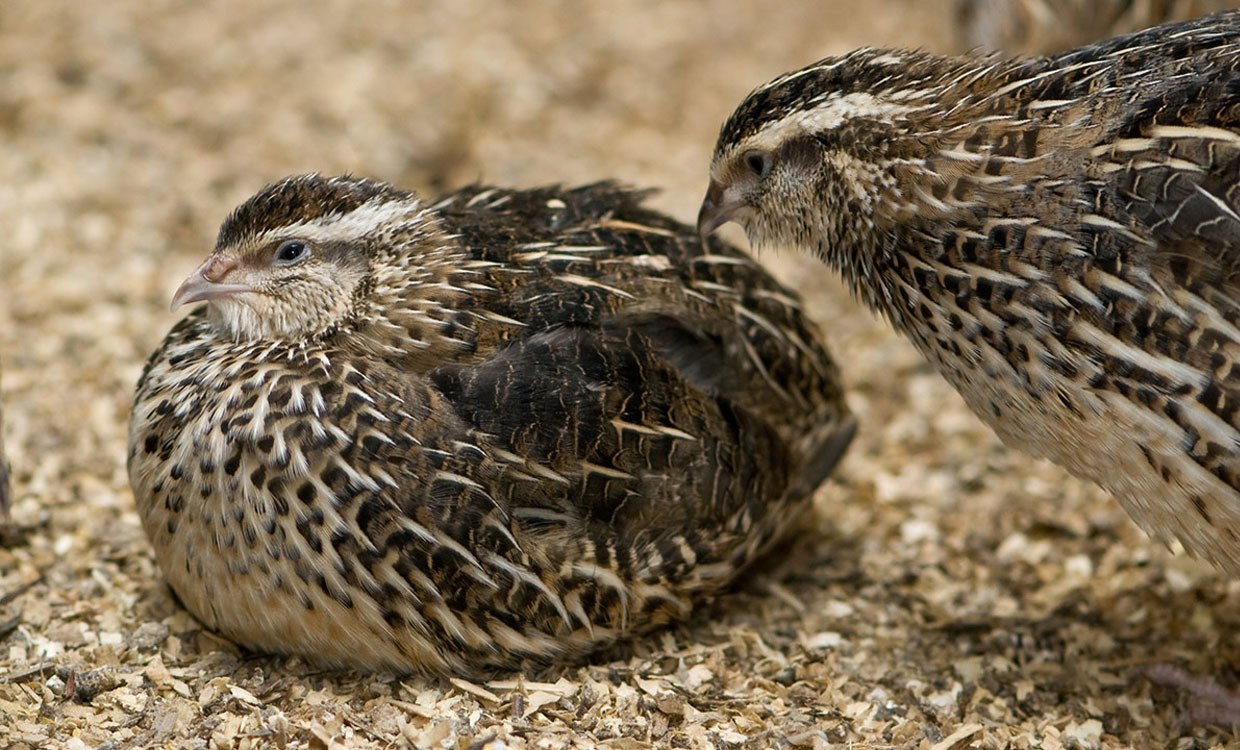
(1214, 704)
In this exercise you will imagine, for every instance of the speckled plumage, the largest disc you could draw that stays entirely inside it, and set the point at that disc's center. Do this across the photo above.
(1059, 236)
(491, 432)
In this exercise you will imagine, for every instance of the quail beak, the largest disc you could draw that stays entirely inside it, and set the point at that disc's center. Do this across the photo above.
(207, 282)
(716, 210)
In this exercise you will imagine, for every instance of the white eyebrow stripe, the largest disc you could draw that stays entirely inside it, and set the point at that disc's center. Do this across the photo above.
(350, 225)
(831, 113)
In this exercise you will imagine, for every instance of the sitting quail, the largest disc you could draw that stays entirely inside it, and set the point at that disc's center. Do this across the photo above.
(489, 432)
(1060, 237)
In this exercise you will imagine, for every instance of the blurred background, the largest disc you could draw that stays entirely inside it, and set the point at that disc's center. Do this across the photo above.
(127, 132)
(945, 584)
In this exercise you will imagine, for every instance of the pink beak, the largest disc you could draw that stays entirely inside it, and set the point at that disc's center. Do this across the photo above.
(207, 282)
(715, 211)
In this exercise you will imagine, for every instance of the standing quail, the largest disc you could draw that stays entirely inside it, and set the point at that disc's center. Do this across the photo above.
(1060, 237)
(491, 432)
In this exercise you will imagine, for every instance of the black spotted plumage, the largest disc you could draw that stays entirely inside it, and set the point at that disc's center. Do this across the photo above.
(537, 421)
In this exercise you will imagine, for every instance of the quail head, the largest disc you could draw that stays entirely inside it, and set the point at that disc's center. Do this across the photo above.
(1059, 236)
(491, 431)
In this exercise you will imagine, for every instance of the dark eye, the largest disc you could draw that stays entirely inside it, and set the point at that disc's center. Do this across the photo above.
(290, 252)
(759, 162)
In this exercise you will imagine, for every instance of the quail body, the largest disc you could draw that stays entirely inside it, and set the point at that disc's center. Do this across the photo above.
(494, 431)
(1059, 236)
